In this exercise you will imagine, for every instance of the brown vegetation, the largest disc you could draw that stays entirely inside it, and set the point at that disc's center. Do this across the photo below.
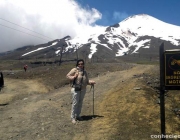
(36, 104)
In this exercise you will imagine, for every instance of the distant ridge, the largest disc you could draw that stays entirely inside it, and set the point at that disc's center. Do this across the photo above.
(137, 34)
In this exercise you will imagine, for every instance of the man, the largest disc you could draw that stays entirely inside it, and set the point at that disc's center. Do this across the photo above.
(25, 67)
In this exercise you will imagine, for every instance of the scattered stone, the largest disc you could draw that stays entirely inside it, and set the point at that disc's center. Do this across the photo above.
(137, 88)
(176, 109)
(158, 101)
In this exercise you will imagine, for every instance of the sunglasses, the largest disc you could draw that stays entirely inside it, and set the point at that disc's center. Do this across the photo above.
(80, 64)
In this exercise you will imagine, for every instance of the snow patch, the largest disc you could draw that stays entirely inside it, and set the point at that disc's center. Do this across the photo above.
(93, 49)
(40, 49)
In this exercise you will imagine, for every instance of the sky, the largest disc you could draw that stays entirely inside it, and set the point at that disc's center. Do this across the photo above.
(33, 22)
(113, 11)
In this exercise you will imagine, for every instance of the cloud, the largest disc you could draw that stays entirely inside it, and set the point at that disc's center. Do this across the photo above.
(119, 16)
(54, 19)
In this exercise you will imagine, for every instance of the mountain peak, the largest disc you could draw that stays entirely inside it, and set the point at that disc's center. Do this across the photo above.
(139, 17)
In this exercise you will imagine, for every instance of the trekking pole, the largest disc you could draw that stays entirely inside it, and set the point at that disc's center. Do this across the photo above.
(93, 98)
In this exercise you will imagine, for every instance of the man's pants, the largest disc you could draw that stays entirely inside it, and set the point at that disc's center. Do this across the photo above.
(77, 101)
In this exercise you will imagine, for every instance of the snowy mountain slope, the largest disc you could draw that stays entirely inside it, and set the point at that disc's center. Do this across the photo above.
(136, 34)
(128, 33)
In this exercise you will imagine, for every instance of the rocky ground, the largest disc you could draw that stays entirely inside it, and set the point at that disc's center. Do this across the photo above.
(36, 104)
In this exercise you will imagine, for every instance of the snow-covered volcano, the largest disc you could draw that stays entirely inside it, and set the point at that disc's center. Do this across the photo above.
(136, 34)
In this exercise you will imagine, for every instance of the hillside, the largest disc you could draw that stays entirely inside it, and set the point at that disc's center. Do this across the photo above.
(126, 96)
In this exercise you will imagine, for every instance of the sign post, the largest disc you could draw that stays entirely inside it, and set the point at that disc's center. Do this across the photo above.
(162, 91)
(169, 78)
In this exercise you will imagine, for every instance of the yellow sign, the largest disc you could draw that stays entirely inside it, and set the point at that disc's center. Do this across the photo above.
(172, 68)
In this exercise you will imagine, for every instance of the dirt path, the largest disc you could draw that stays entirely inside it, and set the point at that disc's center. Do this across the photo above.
(121, 111)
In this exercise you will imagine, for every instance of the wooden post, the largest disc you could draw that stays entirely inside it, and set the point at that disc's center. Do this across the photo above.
(76, 52)
(60, 57)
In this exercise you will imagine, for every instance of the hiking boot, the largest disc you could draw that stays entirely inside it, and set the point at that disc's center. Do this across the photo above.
(74, 121)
